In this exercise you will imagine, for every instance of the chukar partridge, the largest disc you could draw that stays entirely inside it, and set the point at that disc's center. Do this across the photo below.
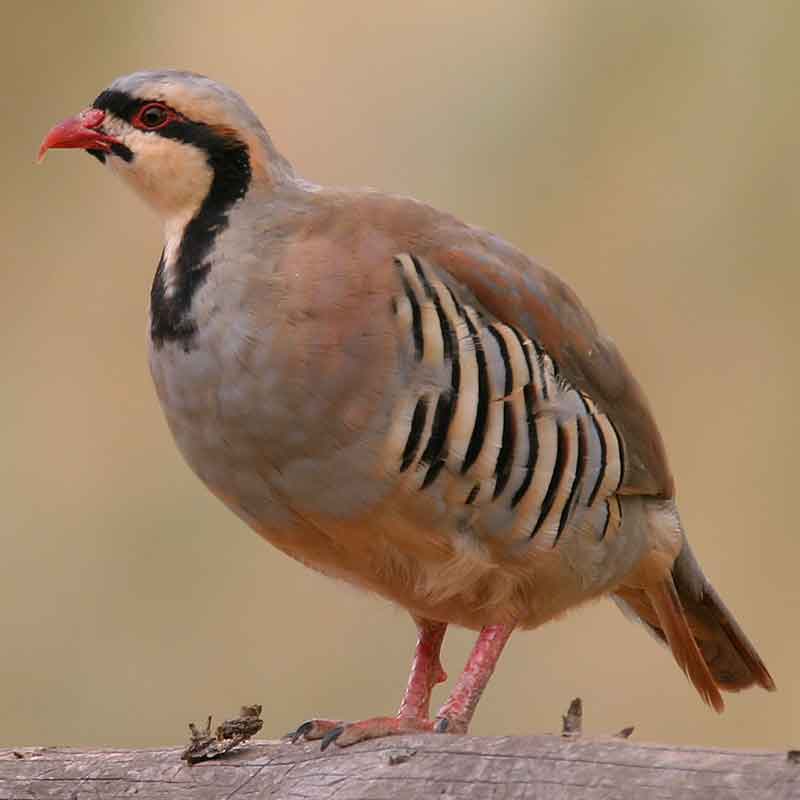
(399, 400)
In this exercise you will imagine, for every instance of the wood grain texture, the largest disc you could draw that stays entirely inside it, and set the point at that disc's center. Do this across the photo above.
(406, 768)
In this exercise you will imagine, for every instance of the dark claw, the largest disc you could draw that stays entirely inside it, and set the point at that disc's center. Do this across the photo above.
(331, 736)
(441, 725)
(301, 731)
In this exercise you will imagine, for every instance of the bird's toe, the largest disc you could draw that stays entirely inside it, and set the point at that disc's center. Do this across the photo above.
(313, 729)
(332, 736)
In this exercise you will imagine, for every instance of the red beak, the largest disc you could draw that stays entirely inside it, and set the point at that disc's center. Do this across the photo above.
(80, 131)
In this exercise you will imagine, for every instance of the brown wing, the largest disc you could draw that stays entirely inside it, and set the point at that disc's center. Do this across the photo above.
(519, 292)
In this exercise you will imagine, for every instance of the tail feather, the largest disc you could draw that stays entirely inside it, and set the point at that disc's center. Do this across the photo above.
(684, 611)
(671, 619)
(733, 659)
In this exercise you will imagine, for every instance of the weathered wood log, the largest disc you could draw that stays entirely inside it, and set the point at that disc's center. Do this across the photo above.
(407, 767)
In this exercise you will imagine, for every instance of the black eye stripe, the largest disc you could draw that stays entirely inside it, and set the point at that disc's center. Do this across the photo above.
(136, 111)
(119, 104)
(220, 148)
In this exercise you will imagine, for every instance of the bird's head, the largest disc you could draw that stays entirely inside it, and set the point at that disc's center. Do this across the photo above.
(175, 137)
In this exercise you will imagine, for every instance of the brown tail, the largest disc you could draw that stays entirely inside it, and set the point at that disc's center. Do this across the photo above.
(683, 610)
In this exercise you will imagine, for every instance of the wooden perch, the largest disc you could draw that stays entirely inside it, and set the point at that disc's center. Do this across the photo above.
(402, 768)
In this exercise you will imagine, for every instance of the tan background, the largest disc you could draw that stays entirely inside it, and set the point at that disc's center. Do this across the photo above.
(648, 151)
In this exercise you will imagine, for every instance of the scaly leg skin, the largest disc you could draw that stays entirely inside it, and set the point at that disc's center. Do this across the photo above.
(456, 714)
(426, 672)
(453, 717)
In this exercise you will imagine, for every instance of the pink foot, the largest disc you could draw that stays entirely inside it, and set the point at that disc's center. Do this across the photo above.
(453, 717)
(347, 733)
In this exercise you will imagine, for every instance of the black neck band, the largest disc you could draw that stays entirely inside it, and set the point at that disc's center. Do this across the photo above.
(229, 159)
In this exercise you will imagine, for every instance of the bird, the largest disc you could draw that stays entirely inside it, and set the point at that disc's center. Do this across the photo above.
(401, 401)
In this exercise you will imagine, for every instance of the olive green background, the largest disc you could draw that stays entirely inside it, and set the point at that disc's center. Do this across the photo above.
(647, 151)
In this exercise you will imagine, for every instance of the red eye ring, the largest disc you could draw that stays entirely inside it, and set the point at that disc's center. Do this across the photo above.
(153, 116)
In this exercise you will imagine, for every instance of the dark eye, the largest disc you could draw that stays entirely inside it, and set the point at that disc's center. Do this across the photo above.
(152, 116)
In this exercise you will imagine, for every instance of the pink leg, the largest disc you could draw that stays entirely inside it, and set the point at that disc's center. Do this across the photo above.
(426, 672)
(455, 715)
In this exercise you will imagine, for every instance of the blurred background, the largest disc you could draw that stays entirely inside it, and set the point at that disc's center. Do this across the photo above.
(646, 151)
